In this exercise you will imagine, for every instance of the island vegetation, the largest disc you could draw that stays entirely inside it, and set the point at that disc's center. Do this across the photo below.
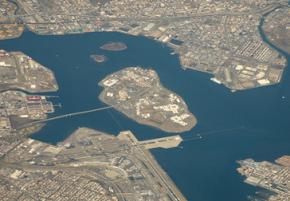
(114, 46)
(99, 58)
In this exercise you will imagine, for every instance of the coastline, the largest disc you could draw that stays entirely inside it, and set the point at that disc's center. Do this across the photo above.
(145, 100)
(206, 100)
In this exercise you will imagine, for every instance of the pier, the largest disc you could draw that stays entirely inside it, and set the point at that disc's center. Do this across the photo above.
(164, 142)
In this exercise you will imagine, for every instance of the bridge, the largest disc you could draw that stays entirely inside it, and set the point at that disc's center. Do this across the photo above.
(67, 115)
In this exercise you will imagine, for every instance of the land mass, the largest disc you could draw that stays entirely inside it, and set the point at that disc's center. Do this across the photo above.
(20, 71)
(20, 74)
(99, 58)
(218, 37)
(89, 165)
(273, 177)
(114, 46)
(277, 28)
(9, 27)
(138, 94)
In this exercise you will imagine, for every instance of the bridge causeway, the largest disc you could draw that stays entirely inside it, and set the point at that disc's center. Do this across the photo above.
(68, 115)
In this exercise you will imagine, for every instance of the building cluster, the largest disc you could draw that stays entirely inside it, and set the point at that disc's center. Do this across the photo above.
(209, 36)
(18, 70)
(215, 43)
(16, 108)
(89, 165)
(19, 73)
(277, 28)
(60, 17)
(138, 93)
(17, 111)
(9, 25)
(274, 177)
(58, 185)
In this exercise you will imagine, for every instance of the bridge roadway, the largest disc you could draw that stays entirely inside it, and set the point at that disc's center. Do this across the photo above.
(68, 115)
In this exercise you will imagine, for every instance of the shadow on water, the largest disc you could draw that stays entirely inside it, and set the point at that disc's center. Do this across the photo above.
(256, 121)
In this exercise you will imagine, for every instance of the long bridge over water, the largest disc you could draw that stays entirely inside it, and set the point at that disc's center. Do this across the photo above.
(67, 115)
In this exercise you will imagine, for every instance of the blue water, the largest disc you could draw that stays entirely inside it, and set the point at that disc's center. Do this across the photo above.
(256, 121)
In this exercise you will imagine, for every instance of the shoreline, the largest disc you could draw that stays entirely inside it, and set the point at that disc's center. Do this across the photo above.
(145, 100)
(152, 125)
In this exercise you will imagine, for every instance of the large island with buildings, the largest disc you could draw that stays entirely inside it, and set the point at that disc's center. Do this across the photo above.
(89, 165)
(218, 37)
(138, 93)
(273, 177)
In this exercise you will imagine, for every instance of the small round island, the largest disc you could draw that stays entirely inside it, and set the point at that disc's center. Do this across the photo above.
(99, 58)
(114, 46)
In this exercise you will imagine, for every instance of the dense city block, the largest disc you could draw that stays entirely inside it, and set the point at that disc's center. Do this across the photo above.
(18, 70)
(89, 165)
(20, 74)
(277, 28)
(242, 44)
(274, 177)
(10, 27)
(218, 37)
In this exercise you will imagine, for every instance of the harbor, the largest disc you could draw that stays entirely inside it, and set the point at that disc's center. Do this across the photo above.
(262, 112)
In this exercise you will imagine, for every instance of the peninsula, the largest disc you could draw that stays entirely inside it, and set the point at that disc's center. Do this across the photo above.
(18, 70)
(273, 177)
(114, 46)
(89, 165)
(20, 74)
(138, 93)
(218, 37)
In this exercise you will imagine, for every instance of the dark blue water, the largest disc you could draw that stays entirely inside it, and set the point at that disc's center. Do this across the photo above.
(205, 170)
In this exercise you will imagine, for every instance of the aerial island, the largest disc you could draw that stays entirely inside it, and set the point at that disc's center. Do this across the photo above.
(99, 58)
(114, 46)
(90, 166)
(273, 177)
(20, 74)
(217, 37)
(138, 93)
